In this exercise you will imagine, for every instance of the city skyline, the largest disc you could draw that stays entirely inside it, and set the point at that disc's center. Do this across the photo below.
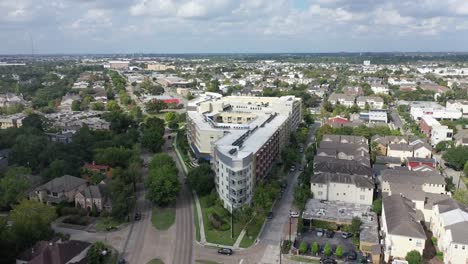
(224, 26)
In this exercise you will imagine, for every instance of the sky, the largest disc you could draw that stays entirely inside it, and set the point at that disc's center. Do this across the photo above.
(231, 26)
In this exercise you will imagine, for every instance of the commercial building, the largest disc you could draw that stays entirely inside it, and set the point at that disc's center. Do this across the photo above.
(242, 136)
(423, 108)
(374, 116)
(160, 67)
(119, 65)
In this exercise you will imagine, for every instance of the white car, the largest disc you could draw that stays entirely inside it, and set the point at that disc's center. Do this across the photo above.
(293, 214)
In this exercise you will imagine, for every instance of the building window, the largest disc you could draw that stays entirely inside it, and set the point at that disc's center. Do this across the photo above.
(456, 246)
(410, 239)
(337, 194)
(463, 247)
(362, 197)
(418, 243)
(319, 193)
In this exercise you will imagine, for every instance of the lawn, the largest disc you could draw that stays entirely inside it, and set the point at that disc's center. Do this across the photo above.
(163, 217)
(218, 236)
(104, 222)
(155, 261)
(253, 229)
(197, 223)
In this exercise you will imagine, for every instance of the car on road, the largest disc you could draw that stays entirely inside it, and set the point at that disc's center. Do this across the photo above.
(301, 169)
(270, 215)
(330, 233)
(293, 214)
(293, 168)
(137, 216)
(327, 260)
(319, 232)
(225, 251)
(346, 235)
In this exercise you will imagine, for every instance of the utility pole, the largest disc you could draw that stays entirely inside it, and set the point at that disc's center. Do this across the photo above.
(290, 227)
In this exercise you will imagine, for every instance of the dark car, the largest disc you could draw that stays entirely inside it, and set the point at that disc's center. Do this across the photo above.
(327, 261)
(110, 228)
(346, 235)
(330, 233)
(137, 216)
(270, 215)
(122, 261)
(225, 251)
(350, 255)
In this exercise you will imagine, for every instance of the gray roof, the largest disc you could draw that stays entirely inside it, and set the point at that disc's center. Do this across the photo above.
(449, 205)
(330, 164)
(401, 218)
(358, 180)
(412, 177)
(387, 160)
(400, 147)
(389, 139)
(459, 232)
(62, 184)
(369, 98)
(92, 192)
(344, 139)
(425, 160)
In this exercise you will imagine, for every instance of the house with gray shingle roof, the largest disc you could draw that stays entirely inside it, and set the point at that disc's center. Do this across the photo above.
(401, 228)
(61, 189)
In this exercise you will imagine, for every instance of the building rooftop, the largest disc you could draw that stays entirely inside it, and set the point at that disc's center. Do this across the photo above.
(401, 218)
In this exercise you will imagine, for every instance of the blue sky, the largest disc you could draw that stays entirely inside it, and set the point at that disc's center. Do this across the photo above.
(191, 26)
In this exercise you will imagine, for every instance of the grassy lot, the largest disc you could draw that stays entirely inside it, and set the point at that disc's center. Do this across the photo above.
(218, 236)
(104, 222)
(197, 223)
(163, 217)
(202, 261)
(155, 261)
(306, 260)
(253, 229)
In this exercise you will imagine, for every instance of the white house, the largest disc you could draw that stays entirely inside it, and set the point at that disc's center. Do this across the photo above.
(374, 102)
(401, 229)
(449, 224)
(342, 187)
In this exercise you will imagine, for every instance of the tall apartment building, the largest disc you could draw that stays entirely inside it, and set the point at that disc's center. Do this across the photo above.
(242, 137)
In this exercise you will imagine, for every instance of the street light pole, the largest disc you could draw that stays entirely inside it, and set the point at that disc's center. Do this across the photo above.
(290, 227)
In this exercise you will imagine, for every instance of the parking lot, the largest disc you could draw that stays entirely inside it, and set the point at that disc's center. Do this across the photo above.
(311, 236)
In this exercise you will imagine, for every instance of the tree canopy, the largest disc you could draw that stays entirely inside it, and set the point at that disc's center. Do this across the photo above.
(201, 179)
(162, 183)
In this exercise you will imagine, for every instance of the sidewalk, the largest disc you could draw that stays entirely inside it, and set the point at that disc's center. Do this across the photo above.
(200, 219)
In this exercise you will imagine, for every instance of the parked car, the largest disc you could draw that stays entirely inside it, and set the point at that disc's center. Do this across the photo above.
(319, 232)
(350, 255)
(301, 169)
(122, 261)
(293, 214)
(225, 251)
(110, 228)
(346, 235)
(270, 215)
(330, 233)
(293, 168)
(328, 260)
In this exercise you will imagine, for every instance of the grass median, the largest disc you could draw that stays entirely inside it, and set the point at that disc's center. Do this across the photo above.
(252, 231)
(163, 218)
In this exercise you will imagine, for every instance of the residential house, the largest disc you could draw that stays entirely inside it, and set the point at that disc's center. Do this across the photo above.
(422, 150)
(383, 141)
(63, 137)
(89, 168)
(342, 187)
(344, 139)
(341, 99)
(402, 231)
(461, 138)
(55, 252)
(347, 151)
(11, 99)
(380, 88)
(333, 165)
(67, 101)
(353, 91)
(61, 189)
(414, 162)
(390, 162)
(94, 196)
(337, 121)
(14, 121)
(427, 181)
(402, 151)
(373, 102)
(449, 224)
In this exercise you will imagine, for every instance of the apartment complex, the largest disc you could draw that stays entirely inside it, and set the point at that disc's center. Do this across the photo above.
(434, 130)
(242, 137)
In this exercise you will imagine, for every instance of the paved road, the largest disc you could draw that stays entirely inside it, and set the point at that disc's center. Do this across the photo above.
(185, 227)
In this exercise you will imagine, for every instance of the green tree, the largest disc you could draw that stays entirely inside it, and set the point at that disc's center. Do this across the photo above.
(162, 183)
(456, 157)
(289, 156)
(303, 247)
(153, 132)
(155, 106)
(76, 105)
(377, 206)
(201, 179)
(54, 170)
(414, 257)
(315, 248)
(465, 169)
(301, 195)
(13, 186)
(113, 156)
(339, 251)
(355, 227)
(94, 253)
(123, 198)
(31, 221)
(97, 106)
(327, 251)
(170, 116)
(112, 106)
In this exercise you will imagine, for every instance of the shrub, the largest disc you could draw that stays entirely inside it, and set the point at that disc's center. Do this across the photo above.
(76, 220)
(217, 222)
(339, 251)
(327, 250)
(286, 246)
(303, 247)
(315, 248)
(414, 257)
